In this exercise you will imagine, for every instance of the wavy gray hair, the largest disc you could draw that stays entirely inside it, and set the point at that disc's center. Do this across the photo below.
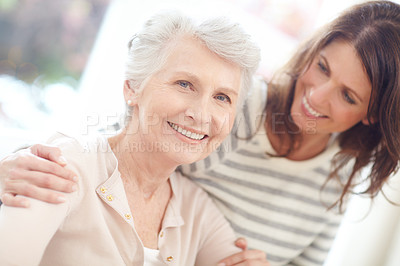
(148, 49)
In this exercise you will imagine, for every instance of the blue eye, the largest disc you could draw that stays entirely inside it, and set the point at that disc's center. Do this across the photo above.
(322, 67)
(223, 98)
(184, 84)
(347, 98)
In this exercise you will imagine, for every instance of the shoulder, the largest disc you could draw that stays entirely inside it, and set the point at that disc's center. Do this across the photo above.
(78, 145)
(191, 196)
(85, 155)
(184, 187)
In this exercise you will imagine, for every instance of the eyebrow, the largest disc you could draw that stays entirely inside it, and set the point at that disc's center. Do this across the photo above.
(345, 87)
(197, 80)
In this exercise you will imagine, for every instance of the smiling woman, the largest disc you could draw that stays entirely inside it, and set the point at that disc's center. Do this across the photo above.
(204, 102)
(130, 207)
(332, 94)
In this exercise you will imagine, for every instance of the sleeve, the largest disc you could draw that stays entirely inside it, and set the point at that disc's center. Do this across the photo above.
(247, 122)
(26, 232)
(218, 237)
(316, 253)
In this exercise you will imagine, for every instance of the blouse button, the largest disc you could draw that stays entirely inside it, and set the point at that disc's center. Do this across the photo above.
(127, 216)
(161, 234)
(103, 190)
(110, 197)
(170, 258)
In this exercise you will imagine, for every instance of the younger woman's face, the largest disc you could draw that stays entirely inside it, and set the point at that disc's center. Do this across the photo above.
(333, 94)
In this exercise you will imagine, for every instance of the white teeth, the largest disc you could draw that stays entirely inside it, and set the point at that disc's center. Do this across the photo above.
(310, 110)
(186, 133)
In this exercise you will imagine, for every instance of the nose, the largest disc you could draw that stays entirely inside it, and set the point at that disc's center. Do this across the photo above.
(321, 94)
(199, 111)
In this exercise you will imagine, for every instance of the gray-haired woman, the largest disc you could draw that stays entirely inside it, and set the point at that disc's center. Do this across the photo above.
(183, 83)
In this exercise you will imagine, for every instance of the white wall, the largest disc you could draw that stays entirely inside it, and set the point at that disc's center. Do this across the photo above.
(367, 236)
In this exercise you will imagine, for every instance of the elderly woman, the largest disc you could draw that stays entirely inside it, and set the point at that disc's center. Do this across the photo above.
(183, 83)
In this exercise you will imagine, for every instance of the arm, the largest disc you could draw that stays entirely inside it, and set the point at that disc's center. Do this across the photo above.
(32, 172)
(25, 232)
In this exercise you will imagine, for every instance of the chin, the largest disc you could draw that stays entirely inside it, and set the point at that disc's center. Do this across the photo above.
(187, 158)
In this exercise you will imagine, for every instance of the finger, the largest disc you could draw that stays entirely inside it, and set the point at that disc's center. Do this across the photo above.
(49, 152)
(40, 179)
(14, 201)
(241, 243)
(252, 263)
(247, 263)
(34, 163)
(243, 257)
(32, 191)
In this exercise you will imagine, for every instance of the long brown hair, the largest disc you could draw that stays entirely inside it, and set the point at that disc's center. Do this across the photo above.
(373, 29)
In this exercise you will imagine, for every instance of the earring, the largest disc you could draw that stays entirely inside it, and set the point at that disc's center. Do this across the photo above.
(129, 102)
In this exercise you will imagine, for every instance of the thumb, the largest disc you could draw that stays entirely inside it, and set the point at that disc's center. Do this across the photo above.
(49, 152)
(241, 243)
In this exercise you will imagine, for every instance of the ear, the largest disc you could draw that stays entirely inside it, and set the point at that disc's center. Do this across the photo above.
(130, 92)
(366, 122)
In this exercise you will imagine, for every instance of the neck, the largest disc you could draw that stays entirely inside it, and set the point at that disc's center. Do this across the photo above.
(311, 145)
(147, 171)
(308, 147)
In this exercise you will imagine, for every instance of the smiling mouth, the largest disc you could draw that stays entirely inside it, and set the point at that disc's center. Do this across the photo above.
(310, 109)
(186, 133)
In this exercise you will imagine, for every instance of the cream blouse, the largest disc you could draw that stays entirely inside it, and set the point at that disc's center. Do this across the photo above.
(95, 225)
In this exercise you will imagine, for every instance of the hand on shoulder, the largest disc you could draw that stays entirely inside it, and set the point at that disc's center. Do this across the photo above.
(38, 172)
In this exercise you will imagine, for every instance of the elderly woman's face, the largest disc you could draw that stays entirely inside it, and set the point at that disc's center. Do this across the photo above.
(186, 109)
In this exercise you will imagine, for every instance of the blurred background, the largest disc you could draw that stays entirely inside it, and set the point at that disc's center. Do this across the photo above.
(61, 68)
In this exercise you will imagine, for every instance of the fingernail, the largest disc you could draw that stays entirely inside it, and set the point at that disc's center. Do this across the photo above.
(75, 178)
(62, 160)
(61, 199)
(74, 187)
(26, 204)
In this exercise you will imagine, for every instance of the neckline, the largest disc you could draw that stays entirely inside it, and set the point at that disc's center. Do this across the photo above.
(331, 149)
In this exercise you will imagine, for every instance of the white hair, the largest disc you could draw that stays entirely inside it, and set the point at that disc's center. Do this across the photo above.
(148, 49)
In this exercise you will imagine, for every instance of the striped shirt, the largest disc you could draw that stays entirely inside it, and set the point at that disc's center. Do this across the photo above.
(275, 203)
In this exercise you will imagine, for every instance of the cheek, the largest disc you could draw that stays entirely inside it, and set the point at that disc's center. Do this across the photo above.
(297, 98)
(223, 123)
(304, 79)
(348, 117)
(299, 91)
(231, 119)
(151, 115)
(310, 79)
